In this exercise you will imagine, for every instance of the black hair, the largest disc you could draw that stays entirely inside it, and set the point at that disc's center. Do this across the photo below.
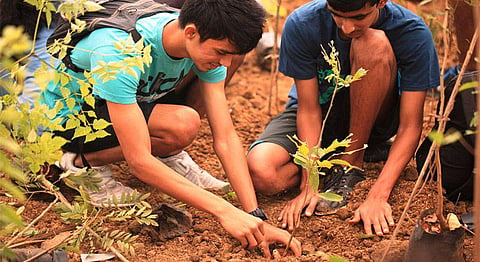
(239, 21)
(20, 13)
(350, 5)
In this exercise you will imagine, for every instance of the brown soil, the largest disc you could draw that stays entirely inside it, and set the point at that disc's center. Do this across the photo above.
(249, 99)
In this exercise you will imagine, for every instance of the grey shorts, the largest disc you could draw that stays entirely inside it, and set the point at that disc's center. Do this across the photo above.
(336, 127)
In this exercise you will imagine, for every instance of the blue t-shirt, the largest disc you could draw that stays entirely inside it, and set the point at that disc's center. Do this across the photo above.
(312, 26)
(161, 77)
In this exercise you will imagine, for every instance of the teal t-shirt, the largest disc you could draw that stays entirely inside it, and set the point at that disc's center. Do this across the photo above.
(161, 77)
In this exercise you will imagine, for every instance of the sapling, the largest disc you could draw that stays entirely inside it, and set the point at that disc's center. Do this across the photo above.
(315, 159)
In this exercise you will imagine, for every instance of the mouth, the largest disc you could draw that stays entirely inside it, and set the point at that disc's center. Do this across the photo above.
(213, 66)
(354, 34)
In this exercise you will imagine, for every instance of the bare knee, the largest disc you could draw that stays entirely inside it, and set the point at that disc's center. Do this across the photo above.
(176, 128)
(361, 54)
(265, 174)
(185, 127)
(262, 175)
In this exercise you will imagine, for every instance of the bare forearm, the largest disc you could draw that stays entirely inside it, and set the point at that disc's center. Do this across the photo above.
(156, 174)
(232, 156)
(309, 123)
(400, 154)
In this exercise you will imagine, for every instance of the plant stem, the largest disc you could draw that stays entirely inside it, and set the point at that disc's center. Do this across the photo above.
(439, 209)
(32, 223)
(26, 243)
(274, 62)
(319, 143)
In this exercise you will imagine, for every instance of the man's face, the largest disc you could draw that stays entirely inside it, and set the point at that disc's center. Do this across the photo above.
(209, 54)
(353, 24)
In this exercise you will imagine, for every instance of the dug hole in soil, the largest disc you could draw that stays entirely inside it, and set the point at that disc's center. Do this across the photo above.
(249, 96)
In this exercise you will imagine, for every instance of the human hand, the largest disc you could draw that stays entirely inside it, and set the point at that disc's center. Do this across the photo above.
(376, 213)
(290, 215)
(274, 234)
(249, 230)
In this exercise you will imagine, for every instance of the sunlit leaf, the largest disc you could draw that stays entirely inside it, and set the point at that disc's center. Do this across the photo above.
(468, 85)
(330, 196)
(337, 259)
(12, 189)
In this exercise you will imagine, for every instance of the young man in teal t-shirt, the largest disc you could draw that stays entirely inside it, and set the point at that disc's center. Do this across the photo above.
(156, 113)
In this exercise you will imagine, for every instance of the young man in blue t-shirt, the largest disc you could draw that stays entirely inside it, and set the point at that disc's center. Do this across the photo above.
(150, 113)
(397, 49)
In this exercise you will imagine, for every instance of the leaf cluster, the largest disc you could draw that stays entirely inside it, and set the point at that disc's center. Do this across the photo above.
(93, 222)
(317, 159)
(27, 142)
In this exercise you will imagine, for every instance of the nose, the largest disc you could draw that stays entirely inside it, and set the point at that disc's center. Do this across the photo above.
(226, 60)
(347, 26)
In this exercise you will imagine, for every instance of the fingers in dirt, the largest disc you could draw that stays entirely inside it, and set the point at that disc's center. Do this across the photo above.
(390, 220)
(356, 217)
(384, 225)
(368, 227)
(311, 208)
(296, 247)
(252, 242)
(266, 249)
(378, 228)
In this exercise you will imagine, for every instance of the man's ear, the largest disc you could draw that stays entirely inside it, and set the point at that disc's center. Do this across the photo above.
(382, 3)
(190, 31)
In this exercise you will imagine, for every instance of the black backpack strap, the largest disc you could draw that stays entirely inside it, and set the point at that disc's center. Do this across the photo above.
(121, 14)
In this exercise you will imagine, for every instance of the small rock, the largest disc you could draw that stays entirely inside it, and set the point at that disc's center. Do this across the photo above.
(368, 242)
(308, 248)
(213, 251)
(410, 173)
(196, 240)
(309, 234)
(343, 213)
(357, 253)
(248, 95)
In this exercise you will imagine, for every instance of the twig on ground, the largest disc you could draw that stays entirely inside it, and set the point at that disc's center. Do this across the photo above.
(32, 223)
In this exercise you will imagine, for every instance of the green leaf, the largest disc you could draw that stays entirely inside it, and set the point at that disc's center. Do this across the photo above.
(101, 134)
(339, 162)
(100, 124)
(436, 137)
(10, 145)
(337, 259)
(9, 216)
(13, 189)
(32, 136)
(314, 181)
(331, 196)
(89, 137)
(451, 137)
(72, 123)
(70, 102)
(90, 100)
(91, 6)
(81, 131)
(468, 85)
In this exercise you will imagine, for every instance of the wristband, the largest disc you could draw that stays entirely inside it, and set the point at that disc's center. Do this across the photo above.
(258, 212)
